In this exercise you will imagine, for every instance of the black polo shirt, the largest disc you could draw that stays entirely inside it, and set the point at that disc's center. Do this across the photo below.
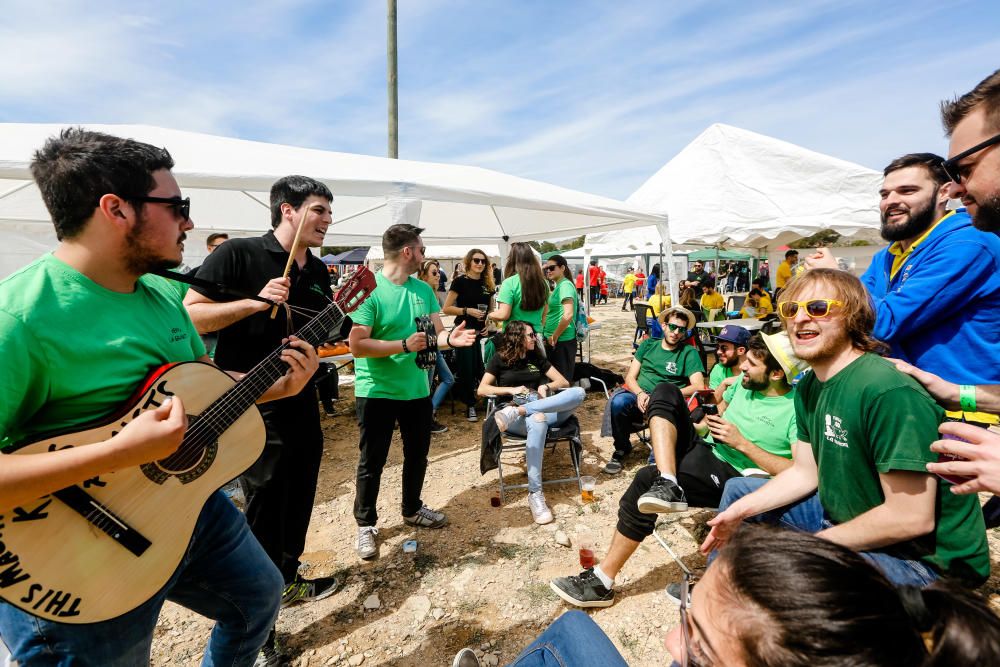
(247, 265)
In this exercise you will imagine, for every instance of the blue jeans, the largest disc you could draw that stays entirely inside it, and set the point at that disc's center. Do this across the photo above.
(224, 575)
(809, 516)
(555, 409)
(447, 380)
(573, 639)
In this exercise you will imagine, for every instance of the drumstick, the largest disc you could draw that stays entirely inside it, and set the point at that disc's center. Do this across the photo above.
(291, 254)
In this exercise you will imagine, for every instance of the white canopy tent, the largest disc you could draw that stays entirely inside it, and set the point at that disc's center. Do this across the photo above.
(228, 182)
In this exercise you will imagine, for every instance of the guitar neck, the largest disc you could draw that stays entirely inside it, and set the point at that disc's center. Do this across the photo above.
(231, 405)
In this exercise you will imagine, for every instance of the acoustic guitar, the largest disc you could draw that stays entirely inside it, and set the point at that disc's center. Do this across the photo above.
(98, 549)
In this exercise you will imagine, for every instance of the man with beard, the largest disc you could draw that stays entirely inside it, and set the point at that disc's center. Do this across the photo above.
(281, 485)
(754, 429)
(80, 328)
(936, 288)
(864, 434)
(730, 353)
(973, 123)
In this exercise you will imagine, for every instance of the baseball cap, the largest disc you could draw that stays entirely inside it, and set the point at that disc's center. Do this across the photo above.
(736, 335)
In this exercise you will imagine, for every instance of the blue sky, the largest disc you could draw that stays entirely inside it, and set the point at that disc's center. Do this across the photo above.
(589, 95)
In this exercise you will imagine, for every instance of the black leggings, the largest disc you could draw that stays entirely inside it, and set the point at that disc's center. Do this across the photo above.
(468, 372)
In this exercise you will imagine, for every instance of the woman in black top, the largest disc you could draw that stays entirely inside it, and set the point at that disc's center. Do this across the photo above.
(520, 373)
(469, 300)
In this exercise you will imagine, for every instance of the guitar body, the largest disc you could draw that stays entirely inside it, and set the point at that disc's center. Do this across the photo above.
(58, 564)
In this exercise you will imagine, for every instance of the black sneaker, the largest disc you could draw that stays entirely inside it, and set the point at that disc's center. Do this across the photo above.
(270, 655)
(470, 414)
(663, 496)
(308, 590)
(437, 427)
(612, 467)
(583, 590)
(674, 593)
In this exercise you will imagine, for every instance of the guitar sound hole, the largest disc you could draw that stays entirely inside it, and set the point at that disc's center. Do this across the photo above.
(188, 456)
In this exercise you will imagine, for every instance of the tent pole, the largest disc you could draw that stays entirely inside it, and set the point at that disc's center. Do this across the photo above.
(668, 249)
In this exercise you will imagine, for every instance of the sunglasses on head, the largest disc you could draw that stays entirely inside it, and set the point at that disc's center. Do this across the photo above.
(182, 207)
(676, 327)
(815, 308)
(957, 172)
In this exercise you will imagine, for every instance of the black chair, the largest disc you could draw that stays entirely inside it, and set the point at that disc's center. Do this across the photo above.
(568, 432)
(642, 312)
(735, 303)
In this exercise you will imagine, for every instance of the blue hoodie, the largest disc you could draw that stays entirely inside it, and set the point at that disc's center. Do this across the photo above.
(941, 312)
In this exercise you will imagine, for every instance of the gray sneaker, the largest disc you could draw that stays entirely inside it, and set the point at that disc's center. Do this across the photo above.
(540, 511)
(663, 496)
(465, 658)
(366, 546)
(427, 518)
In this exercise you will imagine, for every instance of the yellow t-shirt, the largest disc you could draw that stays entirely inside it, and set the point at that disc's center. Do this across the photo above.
(712, 301)
(629, 283)
(658, 303)
(784, 274)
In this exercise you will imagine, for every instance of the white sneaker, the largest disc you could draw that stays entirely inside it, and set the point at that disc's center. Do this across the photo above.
(540, 512)
(366, 547)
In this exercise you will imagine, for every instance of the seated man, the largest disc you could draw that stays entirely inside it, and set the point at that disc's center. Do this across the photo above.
(755, 428)
(864, 432)
(758, 304)
(710, 299)
(732, 349)
(667, 359)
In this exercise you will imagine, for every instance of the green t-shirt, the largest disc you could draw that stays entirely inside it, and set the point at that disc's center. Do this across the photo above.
(564, 290)
(390, 311)
(766, 421)
(867, 419)
(510, 293)
(659, 365)
(74, 351)
(718, 374)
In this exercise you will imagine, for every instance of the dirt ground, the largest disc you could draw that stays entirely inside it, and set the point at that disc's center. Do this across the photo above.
(483, 580)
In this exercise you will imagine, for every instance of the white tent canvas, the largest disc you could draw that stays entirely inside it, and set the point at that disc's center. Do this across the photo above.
(228, 181)
(743, 189)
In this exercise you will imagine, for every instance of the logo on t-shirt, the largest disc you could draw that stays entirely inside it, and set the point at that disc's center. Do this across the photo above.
(177, 334)
(670, 367)
(835, 431)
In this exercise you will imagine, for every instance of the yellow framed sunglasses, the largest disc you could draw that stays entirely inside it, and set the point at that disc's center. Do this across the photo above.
(815, 308)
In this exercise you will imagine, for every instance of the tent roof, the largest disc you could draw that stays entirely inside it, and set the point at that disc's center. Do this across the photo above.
(228, 181)
(709, 254)
(352, 256)
(745, 189)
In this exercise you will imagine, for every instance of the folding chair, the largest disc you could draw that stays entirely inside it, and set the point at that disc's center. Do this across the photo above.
(734, 304)
(642, 312)
(568, 432)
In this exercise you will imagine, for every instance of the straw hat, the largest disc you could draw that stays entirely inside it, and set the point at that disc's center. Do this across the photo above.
(683, 312)
(780, 346)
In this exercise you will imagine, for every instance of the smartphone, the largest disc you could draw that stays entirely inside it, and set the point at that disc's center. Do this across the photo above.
(705, 396)
(710, 409)
(944, 458)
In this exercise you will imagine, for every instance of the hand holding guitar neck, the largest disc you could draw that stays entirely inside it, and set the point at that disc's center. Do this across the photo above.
(302, 360)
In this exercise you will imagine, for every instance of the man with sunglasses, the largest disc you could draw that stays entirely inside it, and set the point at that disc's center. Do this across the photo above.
(119, 215)
(656, 360)
(281, 485)
(936, 288)
(859, 473)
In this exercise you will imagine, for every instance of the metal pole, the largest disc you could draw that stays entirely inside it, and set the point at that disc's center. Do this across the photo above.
(392, 79)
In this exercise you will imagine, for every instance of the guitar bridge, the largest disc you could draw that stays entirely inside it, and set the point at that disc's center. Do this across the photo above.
(103, 519)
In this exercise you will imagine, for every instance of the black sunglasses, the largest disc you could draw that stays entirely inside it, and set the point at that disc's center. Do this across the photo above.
(477, 260)
(181, 206)
(956, 172)
(551, 267)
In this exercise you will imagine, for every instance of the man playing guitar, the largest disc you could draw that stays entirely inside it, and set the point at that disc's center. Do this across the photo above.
(79, 329)
(390, 387)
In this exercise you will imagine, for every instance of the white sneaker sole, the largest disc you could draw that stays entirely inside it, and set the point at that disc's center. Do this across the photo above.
(656, 506)
(579, 603)
(543, 519)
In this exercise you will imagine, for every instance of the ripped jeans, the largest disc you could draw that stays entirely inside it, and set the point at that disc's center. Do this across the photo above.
(534, 425)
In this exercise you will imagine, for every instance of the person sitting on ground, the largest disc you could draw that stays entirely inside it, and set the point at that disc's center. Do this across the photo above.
(667, 359)
(518, 370)
(730, 351)
(859, 476)
(430, 272)
(710, 299)
(754, 430)
(758, 304)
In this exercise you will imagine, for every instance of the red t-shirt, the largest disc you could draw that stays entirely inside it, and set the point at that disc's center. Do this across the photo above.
(579, 280)
(595, 274)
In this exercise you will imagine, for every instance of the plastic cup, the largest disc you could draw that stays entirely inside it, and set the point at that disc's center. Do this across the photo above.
(483, 307)
(587, 486)
(585, 546)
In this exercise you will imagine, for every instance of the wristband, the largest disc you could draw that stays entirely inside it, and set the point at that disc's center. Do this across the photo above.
(465, 312)
(405, 351)
(967, 397)
(448, 339)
